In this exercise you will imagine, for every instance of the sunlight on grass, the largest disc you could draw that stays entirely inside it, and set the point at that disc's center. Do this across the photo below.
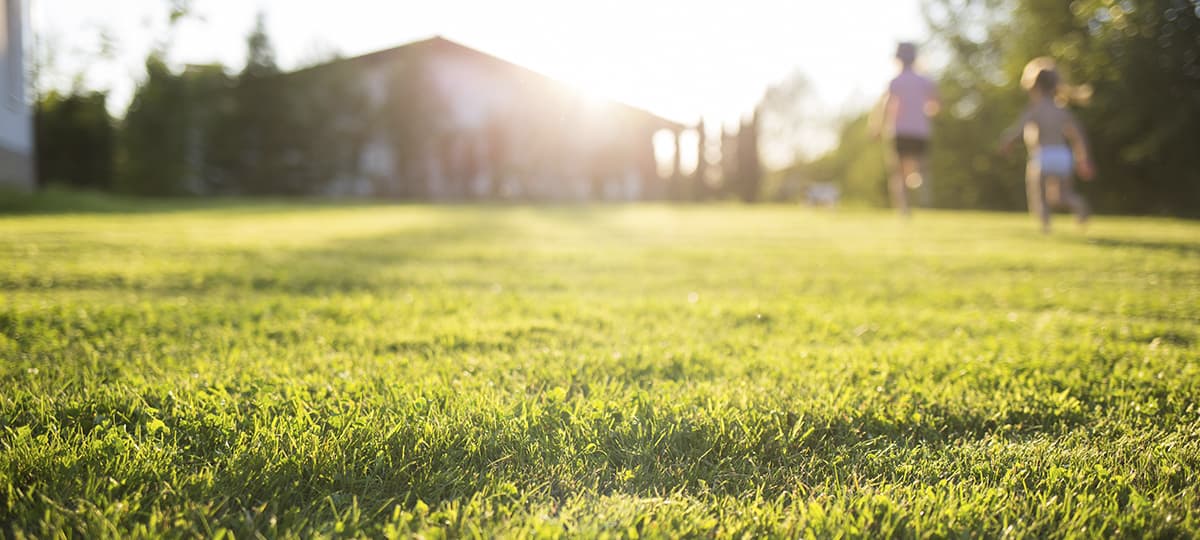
(318, 369)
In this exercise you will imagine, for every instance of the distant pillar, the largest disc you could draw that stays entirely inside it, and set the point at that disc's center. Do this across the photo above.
(699, 183)
(647, 167)
(677, 178)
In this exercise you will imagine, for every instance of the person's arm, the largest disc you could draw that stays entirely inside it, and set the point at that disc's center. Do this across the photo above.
(1073, 131)
(1009, 136)
(933, 105)
(879, 115)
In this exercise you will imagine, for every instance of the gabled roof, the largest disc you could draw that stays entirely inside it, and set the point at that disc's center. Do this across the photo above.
(439, 43)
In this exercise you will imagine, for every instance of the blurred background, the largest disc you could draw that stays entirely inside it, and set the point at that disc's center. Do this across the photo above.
(540, 100)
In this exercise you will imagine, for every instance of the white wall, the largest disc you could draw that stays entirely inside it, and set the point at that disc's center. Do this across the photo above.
(16, 125)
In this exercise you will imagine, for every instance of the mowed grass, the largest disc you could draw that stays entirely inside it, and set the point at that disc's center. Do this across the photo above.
(371, 370)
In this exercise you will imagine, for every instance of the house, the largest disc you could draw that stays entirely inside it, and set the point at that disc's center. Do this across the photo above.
(16, 123)
(437, 120)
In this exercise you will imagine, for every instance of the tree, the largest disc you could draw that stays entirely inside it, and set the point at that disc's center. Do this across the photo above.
(180, 134)
(262, 106)
(152, 156)
(791, 121)
(260, 54)
(700, 188)
(75, 139)
(1142, 58)
(855, 164)
(729, 162)
(749, 167)
(212, 141)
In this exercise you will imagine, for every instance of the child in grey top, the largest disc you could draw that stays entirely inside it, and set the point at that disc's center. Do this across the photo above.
(1056, 146)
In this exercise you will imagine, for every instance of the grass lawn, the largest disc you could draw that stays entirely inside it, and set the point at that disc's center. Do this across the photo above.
(299, 369)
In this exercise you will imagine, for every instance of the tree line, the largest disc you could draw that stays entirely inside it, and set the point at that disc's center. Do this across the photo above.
(203, 130)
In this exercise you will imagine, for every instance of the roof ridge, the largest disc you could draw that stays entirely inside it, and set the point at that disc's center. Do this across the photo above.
(438, 39)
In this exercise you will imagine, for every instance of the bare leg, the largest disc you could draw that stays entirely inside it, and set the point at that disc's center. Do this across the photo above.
(910, 171)
(1052, 185)
(926, 190)
(896, 189)
(911, 167)
(1075, 201)
(1035, 193)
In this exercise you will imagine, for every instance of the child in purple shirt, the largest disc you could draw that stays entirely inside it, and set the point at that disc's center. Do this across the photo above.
(910, 100)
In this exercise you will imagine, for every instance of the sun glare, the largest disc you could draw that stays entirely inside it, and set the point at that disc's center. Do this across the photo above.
(675, 58)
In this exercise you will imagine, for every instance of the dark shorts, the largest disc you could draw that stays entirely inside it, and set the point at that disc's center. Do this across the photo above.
(911, 146)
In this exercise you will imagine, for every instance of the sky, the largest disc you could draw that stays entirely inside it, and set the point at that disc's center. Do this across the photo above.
(681, 59)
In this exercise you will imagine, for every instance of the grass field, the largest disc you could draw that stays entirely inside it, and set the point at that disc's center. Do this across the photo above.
(316, 369)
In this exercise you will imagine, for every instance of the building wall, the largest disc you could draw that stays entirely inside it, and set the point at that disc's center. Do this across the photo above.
(524, 138)
(453, 124)
(16, 121)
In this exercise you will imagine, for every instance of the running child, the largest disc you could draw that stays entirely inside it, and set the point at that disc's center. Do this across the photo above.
(911, 99)
(1055, 143)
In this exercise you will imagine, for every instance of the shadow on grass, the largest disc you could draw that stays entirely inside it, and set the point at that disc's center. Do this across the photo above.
(1186, 249)
(56, 201)
(383, 262)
